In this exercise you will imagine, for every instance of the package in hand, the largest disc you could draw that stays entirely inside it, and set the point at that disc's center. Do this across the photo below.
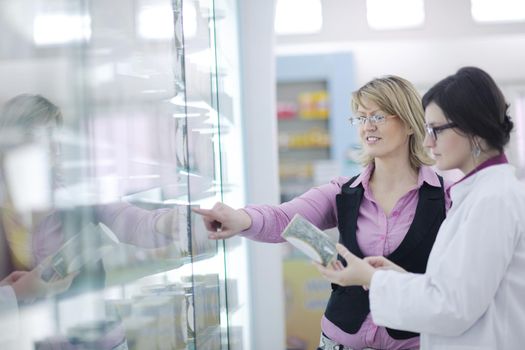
(302, 234)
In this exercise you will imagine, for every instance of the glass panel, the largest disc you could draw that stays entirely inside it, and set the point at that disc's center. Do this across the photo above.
(112, 129)
(226, 87)
(203, 166)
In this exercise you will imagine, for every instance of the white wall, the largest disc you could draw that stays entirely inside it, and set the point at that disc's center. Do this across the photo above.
(262, 186)
(449, 39)
(426, 61)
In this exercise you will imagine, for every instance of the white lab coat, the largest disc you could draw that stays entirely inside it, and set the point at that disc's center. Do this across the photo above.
(473, 293)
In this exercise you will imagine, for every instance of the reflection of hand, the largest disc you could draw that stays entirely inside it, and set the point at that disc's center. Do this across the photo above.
(30, 285)
(382, 263)
(223, 221)
(12, 278)
(356, 273)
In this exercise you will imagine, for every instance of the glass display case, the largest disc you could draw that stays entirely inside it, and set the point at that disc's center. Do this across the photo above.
(118, 118)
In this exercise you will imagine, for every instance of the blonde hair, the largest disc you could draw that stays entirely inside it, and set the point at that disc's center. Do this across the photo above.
(397, 96)
(27, 111)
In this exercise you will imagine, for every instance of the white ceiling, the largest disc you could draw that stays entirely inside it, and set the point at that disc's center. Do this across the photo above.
(345, 20)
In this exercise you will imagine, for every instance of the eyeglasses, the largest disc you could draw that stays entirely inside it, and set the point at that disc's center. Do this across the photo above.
(373, 119)
(433, 131)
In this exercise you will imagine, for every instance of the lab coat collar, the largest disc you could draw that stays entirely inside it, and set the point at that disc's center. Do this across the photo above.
(499, 159)
(460, 189)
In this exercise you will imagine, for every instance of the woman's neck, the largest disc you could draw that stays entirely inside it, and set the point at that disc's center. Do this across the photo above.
(394, 172)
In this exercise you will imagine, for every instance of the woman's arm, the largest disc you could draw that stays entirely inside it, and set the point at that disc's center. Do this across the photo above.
(317, 205)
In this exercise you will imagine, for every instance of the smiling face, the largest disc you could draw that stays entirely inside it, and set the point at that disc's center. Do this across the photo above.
(451, 149)
(386, 140)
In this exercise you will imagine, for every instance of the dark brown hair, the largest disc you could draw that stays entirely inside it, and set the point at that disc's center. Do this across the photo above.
(472, 100)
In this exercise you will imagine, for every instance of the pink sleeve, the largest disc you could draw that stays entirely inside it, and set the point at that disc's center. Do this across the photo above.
(317, 205)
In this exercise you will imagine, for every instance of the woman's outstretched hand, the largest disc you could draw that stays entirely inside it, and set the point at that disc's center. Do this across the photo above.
(356, 273)
(222, 221)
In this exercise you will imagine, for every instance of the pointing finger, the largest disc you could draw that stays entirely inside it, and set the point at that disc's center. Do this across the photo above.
(203, 212)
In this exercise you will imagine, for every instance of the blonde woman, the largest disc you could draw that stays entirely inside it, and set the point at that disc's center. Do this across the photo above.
(394, 208)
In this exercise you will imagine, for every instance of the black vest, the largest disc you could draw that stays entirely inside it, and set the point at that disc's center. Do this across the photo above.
(348, 307)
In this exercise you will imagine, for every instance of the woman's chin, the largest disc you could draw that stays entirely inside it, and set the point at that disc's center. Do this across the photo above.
(441, 165)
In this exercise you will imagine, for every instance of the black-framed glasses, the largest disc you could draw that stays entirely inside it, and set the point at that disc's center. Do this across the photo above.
(434, 131)
(376, 119)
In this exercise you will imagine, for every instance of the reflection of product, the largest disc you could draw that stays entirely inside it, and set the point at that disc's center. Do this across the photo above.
(191, 326)
(98, 335)
(95, 335)
(181, 134)
(140, 332)
(88, 246)
(309, 239)
(118, 309)
(210, 342)
(235, 337)
(166, 304)
(203, 301)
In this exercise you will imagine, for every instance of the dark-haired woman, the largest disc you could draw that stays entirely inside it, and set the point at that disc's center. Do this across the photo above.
(471, 295)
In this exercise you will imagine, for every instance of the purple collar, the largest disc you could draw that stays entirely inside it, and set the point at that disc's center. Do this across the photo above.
(499, 159)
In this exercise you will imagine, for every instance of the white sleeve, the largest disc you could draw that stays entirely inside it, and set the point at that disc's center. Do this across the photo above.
(9, 322)
(462, 283)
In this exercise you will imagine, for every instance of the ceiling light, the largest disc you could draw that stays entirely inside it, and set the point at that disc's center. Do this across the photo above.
(395, 14)
(298, 17)
(498, 11)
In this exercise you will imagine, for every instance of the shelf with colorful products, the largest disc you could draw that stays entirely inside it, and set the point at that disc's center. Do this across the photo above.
(150, 118)
(304, 139)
